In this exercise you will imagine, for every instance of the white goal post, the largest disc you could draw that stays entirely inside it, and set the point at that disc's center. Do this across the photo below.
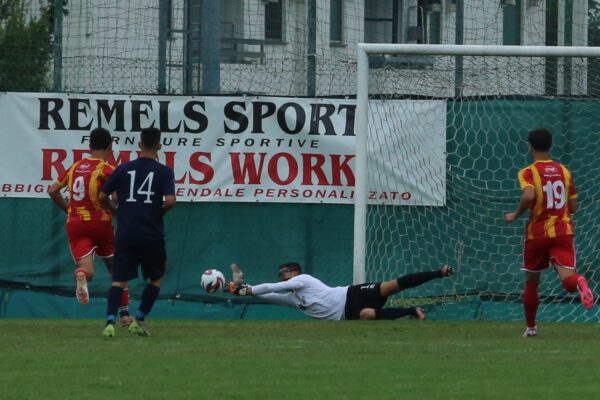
(362, 112)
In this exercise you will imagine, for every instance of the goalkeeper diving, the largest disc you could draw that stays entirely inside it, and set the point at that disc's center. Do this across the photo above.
(317, 300)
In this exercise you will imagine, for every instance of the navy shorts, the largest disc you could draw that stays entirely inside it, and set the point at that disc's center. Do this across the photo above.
(152, 258)
(365, 295)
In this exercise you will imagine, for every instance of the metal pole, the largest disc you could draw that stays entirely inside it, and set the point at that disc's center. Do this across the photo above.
(360, 189)
(311, 56)
(568, 69)
(480, 50)
(211, 46)
(163, 10)
(459, 40)
(58, 25)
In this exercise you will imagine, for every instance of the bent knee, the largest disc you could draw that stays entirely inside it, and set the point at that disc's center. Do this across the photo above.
(367, 314)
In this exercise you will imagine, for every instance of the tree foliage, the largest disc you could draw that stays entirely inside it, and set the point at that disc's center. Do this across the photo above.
(25, 45)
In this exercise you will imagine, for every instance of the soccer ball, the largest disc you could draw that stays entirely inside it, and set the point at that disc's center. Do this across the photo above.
(212, 280)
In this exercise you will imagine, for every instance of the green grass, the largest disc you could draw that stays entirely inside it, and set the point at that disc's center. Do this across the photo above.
(53, 359)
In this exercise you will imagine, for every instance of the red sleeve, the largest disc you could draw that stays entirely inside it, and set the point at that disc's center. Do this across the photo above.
(63, 179)
(107, 170)
(572, 190)
(525, 178)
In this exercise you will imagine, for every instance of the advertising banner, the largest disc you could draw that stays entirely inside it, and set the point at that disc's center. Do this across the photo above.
(242, 148)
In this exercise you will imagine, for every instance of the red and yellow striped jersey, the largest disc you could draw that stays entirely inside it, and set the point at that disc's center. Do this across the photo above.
(553, 184)
(84, 180)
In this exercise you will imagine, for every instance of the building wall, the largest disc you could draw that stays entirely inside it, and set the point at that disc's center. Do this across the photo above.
(112, 46)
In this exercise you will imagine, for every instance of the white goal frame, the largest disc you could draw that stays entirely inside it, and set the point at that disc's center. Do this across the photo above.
(362, 118)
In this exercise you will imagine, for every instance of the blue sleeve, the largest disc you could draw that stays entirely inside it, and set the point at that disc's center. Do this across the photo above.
(168, 184)
(111, 183)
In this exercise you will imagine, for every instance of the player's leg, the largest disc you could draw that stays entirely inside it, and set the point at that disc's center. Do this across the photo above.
(124, 305)
(149, 297)
(84, 274)
(535, 260)
(154, 265)
(82, 249)
(105, 241)
(124, 269)
(531, 302)
(573, 282)
(114, 298)
(408, 281)
(391, 313)
(562, 256)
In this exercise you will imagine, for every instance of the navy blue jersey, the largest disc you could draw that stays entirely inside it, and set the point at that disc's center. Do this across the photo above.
(140, 185)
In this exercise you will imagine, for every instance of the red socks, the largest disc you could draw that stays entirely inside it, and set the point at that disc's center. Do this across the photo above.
(531, 302)
(124, 299)
(570, 283)
(88, 276)
(531, 299)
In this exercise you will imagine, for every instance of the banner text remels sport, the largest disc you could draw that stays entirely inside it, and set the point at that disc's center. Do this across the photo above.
(77, 114)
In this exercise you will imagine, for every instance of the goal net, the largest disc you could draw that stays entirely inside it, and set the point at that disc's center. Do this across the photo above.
(437, 169)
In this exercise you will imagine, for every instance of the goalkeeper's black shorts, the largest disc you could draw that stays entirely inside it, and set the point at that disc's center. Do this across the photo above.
(366, 295)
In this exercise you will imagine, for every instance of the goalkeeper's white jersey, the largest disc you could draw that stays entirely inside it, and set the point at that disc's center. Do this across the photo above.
(306, 293)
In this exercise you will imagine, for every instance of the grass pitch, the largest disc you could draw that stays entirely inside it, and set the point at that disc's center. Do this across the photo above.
(406, 359)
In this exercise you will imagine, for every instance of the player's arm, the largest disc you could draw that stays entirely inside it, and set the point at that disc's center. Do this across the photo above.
(525, 203)
(527, 195)
(56, 196)
(573, 204)
(106, 202)
(108, 193)
(169, 203)
(169, 191)
(264, 288)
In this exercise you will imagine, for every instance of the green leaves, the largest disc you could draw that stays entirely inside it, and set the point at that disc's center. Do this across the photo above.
(26, 46)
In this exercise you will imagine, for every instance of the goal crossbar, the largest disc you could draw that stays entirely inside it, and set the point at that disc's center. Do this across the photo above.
(478, 50)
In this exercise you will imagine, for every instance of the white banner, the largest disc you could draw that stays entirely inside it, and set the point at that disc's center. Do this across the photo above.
(267, 149)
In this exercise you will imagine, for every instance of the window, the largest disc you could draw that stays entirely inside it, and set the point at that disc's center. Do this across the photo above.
(511, 23)
(402, 21)
(429, 19)
(336, 21)
(274, 20)
(383, 20)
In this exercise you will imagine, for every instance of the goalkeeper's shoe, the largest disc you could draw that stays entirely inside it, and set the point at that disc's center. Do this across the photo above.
(587, 297)
(446, 270)
(530, 332)
(238, 274)
(137, 328)
(83, 296)
(109, 330)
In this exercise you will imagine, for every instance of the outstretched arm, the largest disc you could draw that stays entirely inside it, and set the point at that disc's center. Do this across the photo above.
(265, 288)
(526, 201)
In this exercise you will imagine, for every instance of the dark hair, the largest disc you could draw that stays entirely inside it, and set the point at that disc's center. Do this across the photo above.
(150, 138)
(100, 139)
(540, 139)
(290, 266)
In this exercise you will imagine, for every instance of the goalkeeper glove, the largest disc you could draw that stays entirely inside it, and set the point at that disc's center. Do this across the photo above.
(238, 290)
